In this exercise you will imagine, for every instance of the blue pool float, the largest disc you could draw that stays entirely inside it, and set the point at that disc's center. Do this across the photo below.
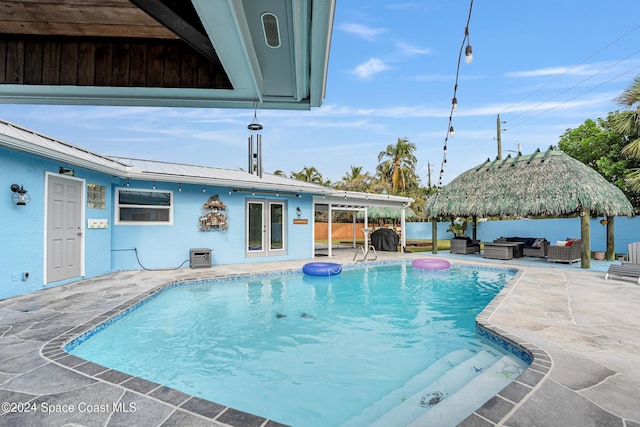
(431, 264)
(321, 268)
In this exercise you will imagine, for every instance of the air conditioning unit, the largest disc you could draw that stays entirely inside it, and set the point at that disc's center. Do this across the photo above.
(200, 258)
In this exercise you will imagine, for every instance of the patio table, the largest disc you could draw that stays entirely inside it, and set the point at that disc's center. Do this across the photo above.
(503, 250)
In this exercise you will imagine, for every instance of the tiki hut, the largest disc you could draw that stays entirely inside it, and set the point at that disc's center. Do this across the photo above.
(544, 183)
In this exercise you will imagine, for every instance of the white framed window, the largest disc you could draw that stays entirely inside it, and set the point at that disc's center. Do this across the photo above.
(139, 207)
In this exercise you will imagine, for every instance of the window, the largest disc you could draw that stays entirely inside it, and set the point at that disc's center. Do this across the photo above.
(96, 196)
(144, 206)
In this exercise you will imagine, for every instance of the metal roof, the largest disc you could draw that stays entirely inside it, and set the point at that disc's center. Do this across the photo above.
(18, 138)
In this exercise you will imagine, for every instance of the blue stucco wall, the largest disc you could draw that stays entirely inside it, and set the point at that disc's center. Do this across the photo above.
(21, 246)
(22, 227)
(626, 230)
(167, 246)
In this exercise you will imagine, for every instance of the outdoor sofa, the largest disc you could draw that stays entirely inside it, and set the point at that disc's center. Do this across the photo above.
(464, 245)
(565, 251)
(533, 246)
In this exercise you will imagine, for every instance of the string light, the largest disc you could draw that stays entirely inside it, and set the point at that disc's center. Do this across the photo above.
(454, 101)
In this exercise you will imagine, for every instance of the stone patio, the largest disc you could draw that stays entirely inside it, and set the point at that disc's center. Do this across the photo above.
(583, 331)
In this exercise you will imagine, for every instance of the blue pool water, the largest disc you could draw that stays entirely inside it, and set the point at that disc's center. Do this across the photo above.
(315, 351)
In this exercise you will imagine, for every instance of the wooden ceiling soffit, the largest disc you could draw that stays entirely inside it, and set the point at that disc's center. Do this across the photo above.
(181, 18)
(107, 43)
(106, 62)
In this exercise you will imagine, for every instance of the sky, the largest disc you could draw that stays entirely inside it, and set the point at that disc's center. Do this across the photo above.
(544, 66)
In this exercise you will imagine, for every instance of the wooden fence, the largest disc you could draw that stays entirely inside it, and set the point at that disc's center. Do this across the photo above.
(339, 231)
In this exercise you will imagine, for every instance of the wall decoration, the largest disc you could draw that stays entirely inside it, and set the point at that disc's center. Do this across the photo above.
(214, 215)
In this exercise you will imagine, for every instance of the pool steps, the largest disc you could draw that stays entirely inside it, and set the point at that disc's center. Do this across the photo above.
(474, 379)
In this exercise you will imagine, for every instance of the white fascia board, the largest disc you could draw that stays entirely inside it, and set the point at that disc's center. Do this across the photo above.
(220, 182)
(226, 25)
(127, 96)
(301, 31)
(322, 14)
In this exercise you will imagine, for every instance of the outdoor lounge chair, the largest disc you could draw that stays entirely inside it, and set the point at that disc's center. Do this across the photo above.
(627, 269)
(624, 270)
(464, 245)
(570, 253)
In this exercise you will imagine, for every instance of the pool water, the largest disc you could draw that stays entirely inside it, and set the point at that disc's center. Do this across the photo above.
(353, 349)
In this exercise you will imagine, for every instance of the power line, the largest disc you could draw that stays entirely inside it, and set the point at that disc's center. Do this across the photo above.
(572, 68)
(576, 96)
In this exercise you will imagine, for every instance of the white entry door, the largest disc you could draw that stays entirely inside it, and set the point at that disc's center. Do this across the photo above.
(64, 228)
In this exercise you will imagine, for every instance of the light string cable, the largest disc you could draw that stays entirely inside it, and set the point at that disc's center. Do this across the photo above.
(454, 100)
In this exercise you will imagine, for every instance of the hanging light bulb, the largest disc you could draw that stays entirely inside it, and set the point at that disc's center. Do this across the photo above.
(451, 131)
(153, 186)
(454, 103)
(468, 54)
(204, 189)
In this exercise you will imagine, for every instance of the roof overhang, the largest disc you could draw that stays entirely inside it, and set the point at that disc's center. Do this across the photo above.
(201, 53)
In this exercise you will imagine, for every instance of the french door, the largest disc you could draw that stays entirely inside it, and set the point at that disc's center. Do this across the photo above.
(266, 228)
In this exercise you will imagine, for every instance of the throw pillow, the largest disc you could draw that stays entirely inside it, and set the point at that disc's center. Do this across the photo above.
(561, 243)
(569, 242)
(537, 243)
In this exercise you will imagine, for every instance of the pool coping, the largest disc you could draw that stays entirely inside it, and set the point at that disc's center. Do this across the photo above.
(586, 328)
(56, 350)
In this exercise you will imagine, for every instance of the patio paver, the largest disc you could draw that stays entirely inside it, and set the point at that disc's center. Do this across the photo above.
(582, 330)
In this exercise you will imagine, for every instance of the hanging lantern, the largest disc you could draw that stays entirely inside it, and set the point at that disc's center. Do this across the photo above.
(604, 222)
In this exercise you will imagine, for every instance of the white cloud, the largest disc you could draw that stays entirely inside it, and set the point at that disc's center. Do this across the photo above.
(408, 49)
(371, 67)
(576, 70)
(362, 31)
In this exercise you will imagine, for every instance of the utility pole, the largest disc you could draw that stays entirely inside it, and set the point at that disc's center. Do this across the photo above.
(499, 137)
(428, 174)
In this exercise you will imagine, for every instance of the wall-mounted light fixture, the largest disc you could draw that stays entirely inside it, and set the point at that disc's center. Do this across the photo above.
(66, 171)
(299, 211)
(20, 196)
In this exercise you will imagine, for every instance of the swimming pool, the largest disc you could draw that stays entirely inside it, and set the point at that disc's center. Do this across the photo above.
(353, 349)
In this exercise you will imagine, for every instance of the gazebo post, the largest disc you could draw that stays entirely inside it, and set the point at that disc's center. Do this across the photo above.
(434, 235)
(585, 236)
(474, 228)
(611, 243)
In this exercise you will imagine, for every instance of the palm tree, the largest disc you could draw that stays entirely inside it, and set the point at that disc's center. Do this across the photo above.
(628, 123)
(400, 165)
(308, 174)
(355, 180)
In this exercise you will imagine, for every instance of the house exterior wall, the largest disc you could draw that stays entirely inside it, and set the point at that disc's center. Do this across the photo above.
(167, 246)
(22, 228)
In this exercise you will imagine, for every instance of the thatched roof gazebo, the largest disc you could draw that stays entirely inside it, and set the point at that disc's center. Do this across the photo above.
(543, 183)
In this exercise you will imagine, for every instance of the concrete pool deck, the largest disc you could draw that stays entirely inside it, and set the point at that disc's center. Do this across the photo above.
(584, 332)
